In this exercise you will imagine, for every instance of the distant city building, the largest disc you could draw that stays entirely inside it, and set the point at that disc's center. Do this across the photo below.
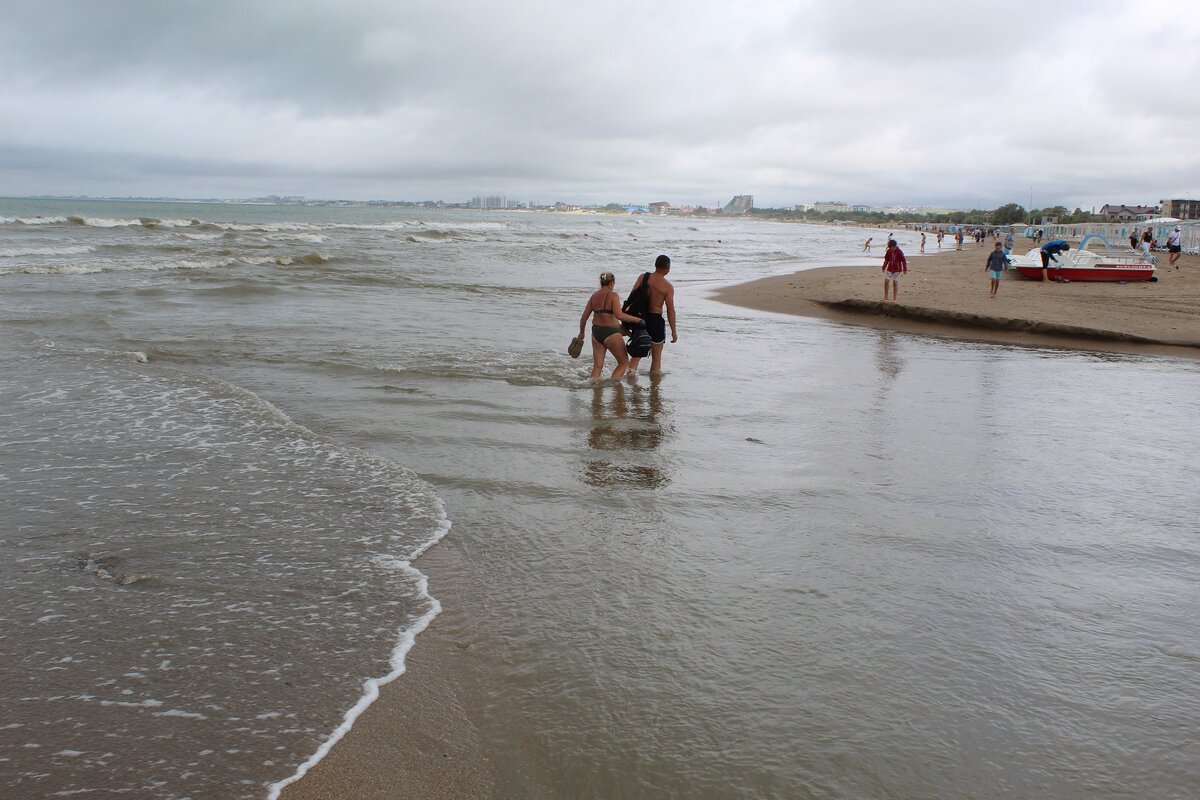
(661, 207)
(1181, 209)
(860, 209)
(825, 206)
(560, 206)
(491, 201)
(741, 204)
(1129, 213)
(802, 207)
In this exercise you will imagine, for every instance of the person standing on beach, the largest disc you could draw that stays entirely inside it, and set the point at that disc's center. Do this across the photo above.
(922, 241)
(940, 236)
(606, 333)
(1175, 246)
(894, 265)
(1147, 240)
(958, 239)
(867, 244)
(1133, 239)
(1049, 252)
(996, 263)
(662, 295)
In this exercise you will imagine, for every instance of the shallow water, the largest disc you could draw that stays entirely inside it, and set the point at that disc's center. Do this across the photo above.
(812, 560)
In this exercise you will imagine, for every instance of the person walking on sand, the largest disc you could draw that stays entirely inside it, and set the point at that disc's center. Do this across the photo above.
(996, 263)
(894, 265)
(922, 241)
(867, 245)
(662, 296)
(1049, 252)
(1175, 246)
(940, 236)
(606, 332)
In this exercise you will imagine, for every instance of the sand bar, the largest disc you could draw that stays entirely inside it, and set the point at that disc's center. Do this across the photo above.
(946, 294)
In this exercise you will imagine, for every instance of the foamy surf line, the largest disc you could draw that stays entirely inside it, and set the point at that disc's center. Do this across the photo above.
(408, 637)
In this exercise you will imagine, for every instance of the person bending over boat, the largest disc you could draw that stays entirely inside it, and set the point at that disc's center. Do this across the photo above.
(605, 303)
(1050, 251)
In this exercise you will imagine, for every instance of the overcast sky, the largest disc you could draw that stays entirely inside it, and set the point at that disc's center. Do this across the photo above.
(956, 104)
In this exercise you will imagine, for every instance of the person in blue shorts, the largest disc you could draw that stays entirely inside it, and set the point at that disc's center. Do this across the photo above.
(996, 264)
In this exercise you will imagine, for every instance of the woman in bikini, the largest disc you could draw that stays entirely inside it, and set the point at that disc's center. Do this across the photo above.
(606, 328)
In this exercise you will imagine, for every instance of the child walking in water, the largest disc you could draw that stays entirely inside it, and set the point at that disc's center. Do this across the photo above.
(996, 263)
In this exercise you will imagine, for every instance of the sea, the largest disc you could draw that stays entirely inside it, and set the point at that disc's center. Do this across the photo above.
(809, 560)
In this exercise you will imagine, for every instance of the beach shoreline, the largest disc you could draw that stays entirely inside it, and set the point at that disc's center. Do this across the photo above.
(945, 295)
(418, 739)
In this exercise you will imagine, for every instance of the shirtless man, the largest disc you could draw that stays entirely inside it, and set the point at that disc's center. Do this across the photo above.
(662, 293)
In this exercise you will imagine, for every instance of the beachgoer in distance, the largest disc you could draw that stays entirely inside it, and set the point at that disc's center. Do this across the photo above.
(1175, 246)
(996, 263)
(662, 295)
(922, 241)
(606, 332)
(867, 244)
(1147, 240)
(958, 239)
(1009, 241)
(894, 265)
(1050, 251)
(940, 236)
(1133, 239)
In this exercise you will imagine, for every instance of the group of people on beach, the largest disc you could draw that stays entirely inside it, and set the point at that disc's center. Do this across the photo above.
(611, 320)
(1146, 242)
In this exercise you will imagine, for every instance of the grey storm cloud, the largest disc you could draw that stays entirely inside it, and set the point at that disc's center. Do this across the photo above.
(925, 102)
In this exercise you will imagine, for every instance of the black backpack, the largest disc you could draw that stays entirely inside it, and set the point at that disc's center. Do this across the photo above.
(640, 343)
(638, 302)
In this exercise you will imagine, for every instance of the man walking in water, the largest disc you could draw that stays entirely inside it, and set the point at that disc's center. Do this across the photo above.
(662, 293)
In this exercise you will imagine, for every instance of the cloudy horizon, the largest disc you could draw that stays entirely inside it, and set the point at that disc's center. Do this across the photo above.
(957, 105)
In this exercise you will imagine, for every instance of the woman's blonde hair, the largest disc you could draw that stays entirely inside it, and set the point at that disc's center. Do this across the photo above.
(607, 279)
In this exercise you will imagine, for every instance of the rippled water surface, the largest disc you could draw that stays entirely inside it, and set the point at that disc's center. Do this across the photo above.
(811, 561)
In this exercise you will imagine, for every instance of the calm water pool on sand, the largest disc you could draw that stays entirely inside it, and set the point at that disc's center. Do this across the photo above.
(812, 560)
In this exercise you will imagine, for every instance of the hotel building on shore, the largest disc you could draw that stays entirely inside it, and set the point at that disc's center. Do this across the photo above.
(1181, 209)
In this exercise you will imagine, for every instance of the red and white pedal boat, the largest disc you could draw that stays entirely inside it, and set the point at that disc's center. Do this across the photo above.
(1085, 265)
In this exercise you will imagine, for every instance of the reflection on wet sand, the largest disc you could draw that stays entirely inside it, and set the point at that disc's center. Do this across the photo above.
(625, 422)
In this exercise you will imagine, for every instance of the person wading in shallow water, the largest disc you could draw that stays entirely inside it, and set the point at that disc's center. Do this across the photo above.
(606, 329)
(662, 295)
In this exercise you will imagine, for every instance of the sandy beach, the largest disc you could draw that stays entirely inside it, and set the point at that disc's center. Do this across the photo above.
(946, 294)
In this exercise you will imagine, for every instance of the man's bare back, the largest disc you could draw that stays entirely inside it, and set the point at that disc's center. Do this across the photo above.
(662, 297)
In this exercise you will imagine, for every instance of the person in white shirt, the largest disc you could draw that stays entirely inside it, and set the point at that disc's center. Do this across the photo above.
(1175, 246)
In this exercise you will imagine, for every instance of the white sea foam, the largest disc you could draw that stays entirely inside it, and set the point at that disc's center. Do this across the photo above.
(70, 250)
(33, 220)
(408, 638)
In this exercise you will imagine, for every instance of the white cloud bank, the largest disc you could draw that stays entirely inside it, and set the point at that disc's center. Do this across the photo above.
(934, 103)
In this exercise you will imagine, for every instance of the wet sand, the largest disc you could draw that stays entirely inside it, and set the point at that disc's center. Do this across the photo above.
(946, 294)
(419, 739)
